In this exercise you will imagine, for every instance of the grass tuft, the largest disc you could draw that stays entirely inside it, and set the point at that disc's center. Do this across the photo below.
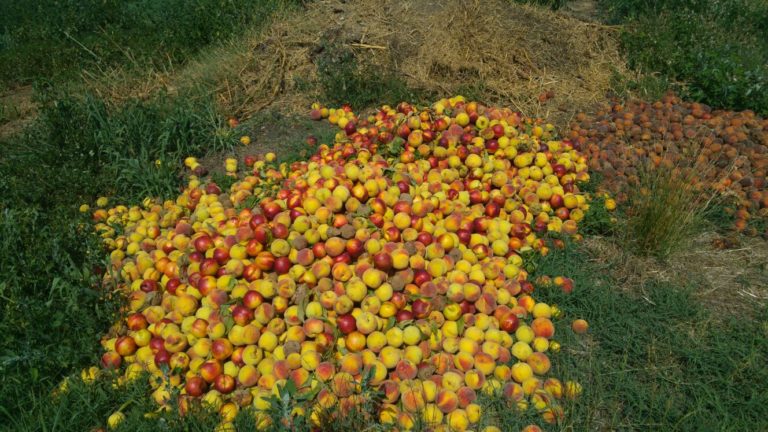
(664, 209)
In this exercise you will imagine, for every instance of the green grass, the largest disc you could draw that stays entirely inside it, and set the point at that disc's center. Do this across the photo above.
(54, 308)
(710, 51)
(657, 359)
(55, 40)
(345, 80)
(664, 210)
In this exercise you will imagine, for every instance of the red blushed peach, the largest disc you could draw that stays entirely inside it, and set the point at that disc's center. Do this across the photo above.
(453, 380)
(267, 381)
(447, 401)
(335, 246)
(553, 414)
(413, 399)
(580, 326)
(210, 370)
(325, 371)
(351, 363)
(343, 384)
(474, 379)
(531, 428)
(281, 369)
(326, 399)
(484, 363)
(539, 362)
(555, 387)
(313, 327)
(543, 327)
(299, 376)
(472, 292)
(527, 302)
(504, 355)
(486, 304)
(391, 391)
(491, 348)
(442, 362)
(463, 361)
(406, 370)
(513, 391)
(248, 376)
(466, 396)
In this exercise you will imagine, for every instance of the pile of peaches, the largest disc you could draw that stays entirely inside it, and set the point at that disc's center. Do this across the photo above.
(727, 149)
(394, 255)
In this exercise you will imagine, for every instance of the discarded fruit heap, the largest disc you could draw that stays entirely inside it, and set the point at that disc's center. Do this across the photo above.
(728, 149)
(396, 252)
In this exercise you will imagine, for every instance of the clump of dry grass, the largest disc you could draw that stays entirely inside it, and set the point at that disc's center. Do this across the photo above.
(536, 60)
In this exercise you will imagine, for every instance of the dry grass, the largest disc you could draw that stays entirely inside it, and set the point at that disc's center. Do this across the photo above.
(17, 110)
(514, 54)
(731, 282)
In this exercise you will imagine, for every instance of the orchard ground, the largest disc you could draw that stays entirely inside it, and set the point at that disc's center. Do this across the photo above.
(674, 343)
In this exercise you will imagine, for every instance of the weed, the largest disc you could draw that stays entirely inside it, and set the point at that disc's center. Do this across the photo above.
(664, 210)
(693, 46)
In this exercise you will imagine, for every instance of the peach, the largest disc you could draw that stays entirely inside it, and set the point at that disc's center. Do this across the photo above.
(463, 361)
(412, 398)
(553, 414)
(572, 389)
(513, 391)
(376, 341)
(299, 376)
(343, 384)
(466, 396)
(310, 360)
(390, 356)
(543, 327)
(325, 371)
(431, 389)
(447, 401)
(248, 376)
(521, 350)
(406, 370)
(452, 380)
(391, 391)
(432, 415)
(554, 387)
(530, 385)
(580, 326)
(351, 363)
(484, 363)
(458, 420)
(474, 379)
(281, 369)
(521, 372)
(539, 363)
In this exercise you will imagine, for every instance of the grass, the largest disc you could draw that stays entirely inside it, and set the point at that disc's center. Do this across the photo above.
(710, 51)
(50, 259)
(344, 80)
(655, 359)
(664, 210)
(97, 35)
